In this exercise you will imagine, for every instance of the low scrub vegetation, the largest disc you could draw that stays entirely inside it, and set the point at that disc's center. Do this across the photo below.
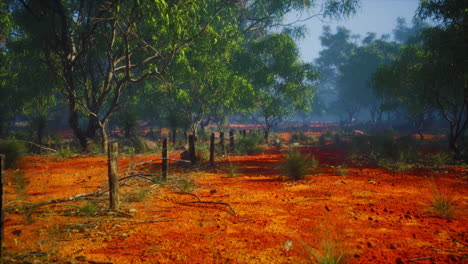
(297, 165)
(250, 144)
(13, 151)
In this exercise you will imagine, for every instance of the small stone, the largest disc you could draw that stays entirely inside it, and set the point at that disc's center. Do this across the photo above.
(327, 208)
(369, 245)
(132, 210)
(370, 218)
(399, 261)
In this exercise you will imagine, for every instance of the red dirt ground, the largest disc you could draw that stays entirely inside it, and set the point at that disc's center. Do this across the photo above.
(377, 216)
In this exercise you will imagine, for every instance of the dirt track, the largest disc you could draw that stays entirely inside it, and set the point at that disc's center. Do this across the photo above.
(378, 216)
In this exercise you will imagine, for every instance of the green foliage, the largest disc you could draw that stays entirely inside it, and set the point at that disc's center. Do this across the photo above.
(203, 151)
(322, 140)
(301, 137)
(441, 159)
(64, 152)
(186, 184)
(88, 209)
(385, 150)
(331, 251)
(13, 150)
(232, 170)
(297, 165)
(442, 204)
(249, 145)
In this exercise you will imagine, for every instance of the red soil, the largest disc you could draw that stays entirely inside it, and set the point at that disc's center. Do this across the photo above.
(378, 216)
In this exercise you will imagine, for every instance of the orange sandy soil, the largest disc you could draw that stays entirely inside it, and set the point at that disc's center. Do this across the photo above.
(378, 216)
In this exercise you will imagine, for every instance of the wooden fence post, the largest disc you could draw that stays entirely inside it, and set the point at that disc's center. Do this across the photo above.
(221, 141)
(113, 176)
(2, 213)
(164, 159)
(231, 139)
(193, 154)
(212, 146)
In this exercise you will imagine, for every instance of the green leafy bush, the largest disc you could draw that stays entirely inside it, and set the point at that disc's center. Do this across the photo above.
(301, 137)
(441, 159)
(13, 151)
(64, 152)
(295, 165)
(385, 150)
(88, 209)
(249, 144)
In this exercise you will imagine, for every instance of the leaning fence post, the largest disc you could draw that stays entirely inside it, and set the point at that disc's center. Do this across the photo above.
(2, 213)
(212, 146)
(164, 159)
(113, 152)
(231, 139)
(193, 157)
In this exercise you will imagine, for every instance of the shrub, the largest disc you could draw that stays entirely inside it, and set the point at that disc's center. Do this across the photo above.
(301, 137)
(13, 150)
(63, 153)
(186, 184)
(233, 171)
(203, 151)
(442, 204)
(441, 159)
(249, 144)
(331, 251)
(88, 209)
(322, 140)
(295, 165)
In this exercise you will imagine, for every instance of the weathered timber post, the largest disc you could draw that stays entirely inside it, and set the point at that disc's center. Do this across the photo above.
(221, 140)
(164, 159)
(231, 139)
(2, 213)
(193, 154)
(174, 136)
(113, 176)
(244, 133)
(212, 146)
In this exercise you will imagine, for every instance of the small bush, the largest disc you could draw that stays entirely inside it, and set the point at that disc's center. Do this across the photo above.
(442, 204)
(301, 137)
(186, 184)
(441, 159)
(249, 145)
(330, 252)
(322, 140)
(64, 152)
(295, 165)
(13, 150)
(88, 209)
(203, 151)
(232, 171)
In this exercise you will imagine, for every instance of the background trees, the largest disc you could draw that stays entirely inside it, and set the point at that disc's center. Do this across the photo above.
(281, 83)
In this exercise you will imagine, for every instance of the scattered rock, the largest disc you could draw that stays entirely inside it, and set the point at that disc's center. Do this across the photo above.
(327, 208)
(369, 245)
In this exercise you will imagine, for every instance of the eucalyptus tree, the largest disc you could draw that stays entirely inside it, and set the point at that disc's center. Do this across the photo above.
(99, 49)
(281, 83)
(202, 80)
(354, 83)
(432, 72)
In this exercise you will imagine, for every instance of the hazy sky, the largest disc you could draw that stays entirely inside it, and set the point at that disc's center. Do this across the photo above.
(377, 16)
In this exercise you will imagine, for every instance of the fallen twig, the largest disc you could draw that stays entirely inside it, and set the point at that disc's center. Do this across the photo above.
(450, 234)
(39, 146)
(417, 259)
(233, 212)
